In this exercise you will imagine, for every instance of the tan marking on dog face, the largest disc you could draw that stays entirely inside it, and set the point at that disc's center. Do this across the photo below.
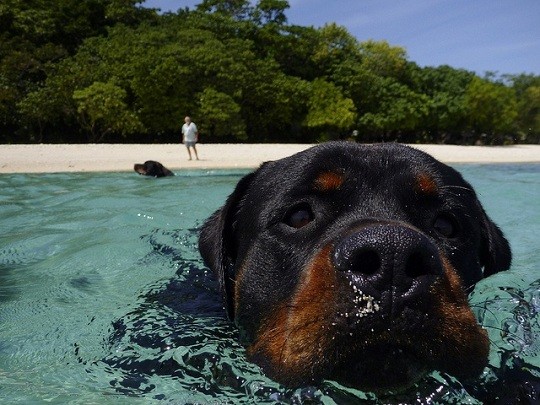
(295, 343)
(466, 343)
(426, 184)
(293, 337)
(328, 181)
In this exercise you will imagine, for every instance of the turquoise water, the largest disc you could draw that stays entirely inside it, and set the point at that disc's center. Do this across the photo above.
(104, 299)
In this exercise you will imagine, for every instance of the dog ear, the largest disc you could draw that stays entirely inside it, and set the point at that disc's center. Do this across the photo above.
(495, 253)
(217, 242)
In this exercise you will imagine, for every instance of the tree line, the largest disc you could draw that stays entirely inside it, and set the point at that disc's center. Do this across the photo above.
(113, 71)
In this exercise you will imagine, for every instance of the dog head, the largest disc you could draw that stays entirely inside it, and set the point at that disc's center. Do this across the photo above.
(352, 262)
(152, 168)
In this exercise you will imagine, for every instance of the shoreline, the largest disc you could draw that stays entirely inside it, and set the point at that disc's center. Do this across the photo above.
(58, 158)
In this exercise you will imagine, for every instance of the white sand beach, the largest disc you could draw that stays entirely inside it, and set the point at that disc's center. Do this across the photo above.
(45, 158)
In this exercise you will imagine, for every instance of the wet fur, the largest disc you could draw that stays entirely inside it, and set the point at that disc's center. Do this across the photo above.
(282, 289)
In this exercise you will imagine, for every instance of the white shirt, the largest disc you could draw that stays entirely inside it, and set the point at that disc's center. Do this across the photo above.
(190, 132)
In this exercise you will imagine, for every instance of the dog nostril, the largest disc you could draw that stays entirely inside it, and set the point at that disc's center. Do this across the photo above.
(364, 260)
(367, 262)
(381, 253)
(418, 264)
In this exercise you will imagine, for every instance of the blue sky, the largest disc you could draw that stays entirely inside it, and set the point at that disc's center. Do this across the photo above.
(479, 35)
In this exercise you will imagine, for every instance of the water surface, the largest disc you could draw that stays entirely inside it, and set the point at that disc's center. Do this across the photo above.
(104, 298)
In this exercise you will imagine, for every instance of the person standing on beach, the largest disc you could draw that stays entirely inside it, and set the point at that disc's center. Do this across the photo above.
(190, 136)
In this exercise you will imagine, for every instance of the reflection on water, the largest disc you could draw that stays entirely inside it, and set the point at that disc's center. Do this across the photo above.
(180, 333)
(104, 298)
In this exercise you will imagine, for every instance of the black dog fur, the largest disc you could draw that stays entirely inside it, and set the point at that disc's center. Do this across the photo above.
(352, 262)
(152, 168)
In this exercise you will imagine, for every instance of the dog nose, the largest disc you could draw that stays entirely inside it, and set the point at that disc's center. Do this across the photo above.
(389, 259)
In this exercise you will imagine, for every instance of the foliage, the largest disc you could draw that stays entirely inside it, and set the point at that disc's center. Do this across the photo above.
(329, 109)
(103, 110)
(527, 88)
(223, 115)
(400, 109)
(447, 116)
(111, 70)
(384, 60)
(492, 109)
(529, 114)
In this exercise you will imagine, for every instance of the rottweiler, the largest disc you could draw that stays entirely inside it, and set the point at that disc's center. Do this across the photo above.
(352, 263)
(152, 168)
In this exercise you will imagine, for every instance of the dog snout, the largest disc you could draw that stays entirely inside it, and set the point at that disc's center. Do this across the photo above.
(389, 261)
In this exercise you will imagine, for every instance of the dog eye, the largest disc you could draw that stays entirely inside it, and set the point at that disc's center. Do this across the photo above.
(445, 226)
(299, 216)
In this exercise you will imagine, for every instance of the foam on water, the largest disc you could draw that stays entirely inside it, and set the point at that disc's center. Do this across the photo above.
(104, 298)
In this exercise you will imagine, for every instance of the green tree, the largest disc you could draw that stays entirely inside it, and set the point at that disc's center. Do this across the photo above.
(221, 115)
(330, 112)
(400, 112)
(447, 119)
(103, 110)
(382, 59)
(270, 12)
(492, 110)
(375, 76)
(529, 114)
(240, 69)
(527, 88)
(237, 9)
(292, 47)
(271, 103)
(39, 110)
(35, 36)
(335, 45)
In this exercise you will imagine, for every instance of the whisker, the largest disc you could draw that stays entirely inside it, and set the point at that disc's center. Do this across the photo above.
(449, 187)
